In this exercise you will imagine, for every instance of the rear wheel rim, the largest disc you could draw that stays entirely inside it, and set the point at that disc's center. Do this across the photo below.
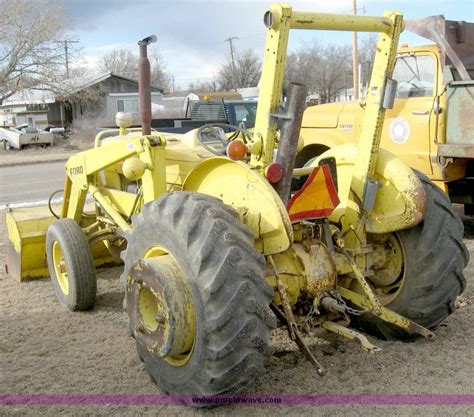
(60, 268)
(148, 308)
(395, 260)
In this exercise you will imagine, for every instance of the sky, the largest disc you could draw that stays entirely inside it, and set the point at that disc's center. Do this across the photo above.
(191, 33)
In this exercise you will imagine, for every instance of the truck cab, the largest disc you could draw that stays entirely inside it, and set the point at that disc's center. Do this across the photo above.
(430, 127)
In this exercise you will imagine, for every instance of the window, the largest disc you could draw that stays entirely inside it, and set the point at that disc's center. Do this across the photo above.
(245, 113)
(415, 75)
(128, 105)
(31, 121)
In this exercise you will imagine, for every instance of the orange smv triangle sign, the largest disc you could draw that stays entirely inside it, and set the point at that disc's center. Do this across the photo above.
(317, 198)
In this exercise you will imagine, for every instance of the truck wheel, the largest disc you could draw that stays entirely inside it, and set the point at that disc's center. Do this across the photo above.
(7, 146)
(428, 260)
(71, 265)
(196, 297)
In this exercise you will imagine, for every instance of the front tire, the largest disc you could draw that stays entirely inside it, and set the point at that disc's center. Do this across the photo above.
(71, 265)
(230, 298)
(434, 257)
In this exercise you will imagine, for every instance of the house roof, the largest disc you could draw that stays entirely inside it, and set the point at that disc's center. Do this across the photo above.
(79, 84)
(45, 94)
(30, 96)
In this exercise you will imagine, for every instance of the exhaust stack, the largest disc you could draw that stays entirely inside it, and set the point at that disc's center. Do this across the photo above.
(144, 84)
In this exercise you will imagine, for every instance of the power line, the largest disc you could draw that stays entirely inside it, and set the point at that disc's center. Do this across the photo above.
(66, 43)
(355, 57)
(232, 59)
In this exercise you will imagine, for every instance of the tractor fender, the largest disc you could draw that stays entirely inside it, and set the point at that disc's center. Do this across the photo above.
(401, 199)
(248, 192)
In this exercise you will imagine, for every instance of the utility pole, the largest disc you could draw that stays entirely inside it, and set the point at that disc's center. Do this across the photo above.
(355, 57)
(231, 45)
(172, 83)
(66, 52)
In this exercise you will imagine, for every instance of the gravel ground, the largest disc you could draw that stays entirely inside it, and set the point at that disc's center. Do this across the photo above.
(46, 349)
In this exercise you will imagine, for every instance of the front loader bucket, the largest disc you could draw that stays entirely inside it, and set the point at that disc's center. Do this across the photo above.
(26, 254)
(26, 250)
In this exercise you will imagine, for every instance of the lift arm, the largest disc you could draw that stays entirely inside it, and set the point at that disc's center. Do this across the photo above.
(279, 20)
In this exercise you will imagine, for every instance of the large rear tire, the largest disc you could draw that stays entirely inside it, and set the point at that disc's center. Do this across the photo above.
(434, 257)
(225, 276)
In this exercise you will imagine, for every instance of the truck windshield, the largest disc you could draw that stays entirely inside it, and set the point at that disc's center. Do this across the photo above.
(415, 76)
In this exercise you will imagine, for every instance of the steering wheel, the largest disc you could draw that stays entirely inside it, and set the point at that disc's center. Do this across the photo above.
(213, 132)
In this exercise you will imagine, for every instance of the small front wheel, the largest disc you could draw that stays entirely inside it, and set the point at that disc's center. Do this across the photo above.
(71, 265)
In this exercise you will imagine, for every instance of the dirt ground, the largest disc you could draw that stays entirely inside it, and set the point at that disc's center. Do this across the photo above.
(46, 349)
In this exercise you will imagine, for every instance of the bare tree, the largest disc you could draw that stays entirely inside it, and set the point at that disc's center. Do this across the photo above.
(366, 56)
(159, 75)
(121, 62)
(124, 62)
(324, 69)
(201, 86)
(30, 54)
(247, 71)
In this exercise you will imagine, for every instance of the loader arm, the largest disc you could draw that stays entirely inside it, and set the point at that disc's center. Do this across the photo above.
(279, 20)
(82, 178)
(363, 188)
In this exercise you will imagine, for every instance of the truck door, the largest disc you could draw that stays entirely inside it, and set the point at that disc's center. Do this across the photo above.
(407, 129)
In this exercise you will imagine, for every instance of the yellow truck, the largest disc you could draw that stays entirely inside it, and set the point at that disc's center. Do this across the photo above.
(431, 125)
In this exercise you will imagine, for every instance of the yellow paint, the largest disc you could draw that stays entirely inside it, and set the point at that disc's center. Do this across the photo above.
(133, 168)
(428, 130)
(122, 201)
(280, 19)
(153, 306)
(60, 268)
(351, 335)
(271, 85)
(26, 252)
(400, 201)
(148, 308)
(385, 313)
(292, 275)
(250, 193)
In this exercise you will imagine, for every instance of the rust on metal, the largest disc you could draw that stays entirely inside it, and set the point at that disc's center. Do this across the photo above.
(160, 307)
(321, 274)
(284, 298)
(386, 314)
(320, 369)
(290, 134)
(144, 84)
(351, 335)
(456, 151)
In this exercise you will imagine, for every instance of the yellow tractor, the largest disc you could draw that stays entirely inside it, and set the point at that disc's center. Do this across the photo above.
(217, 241)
